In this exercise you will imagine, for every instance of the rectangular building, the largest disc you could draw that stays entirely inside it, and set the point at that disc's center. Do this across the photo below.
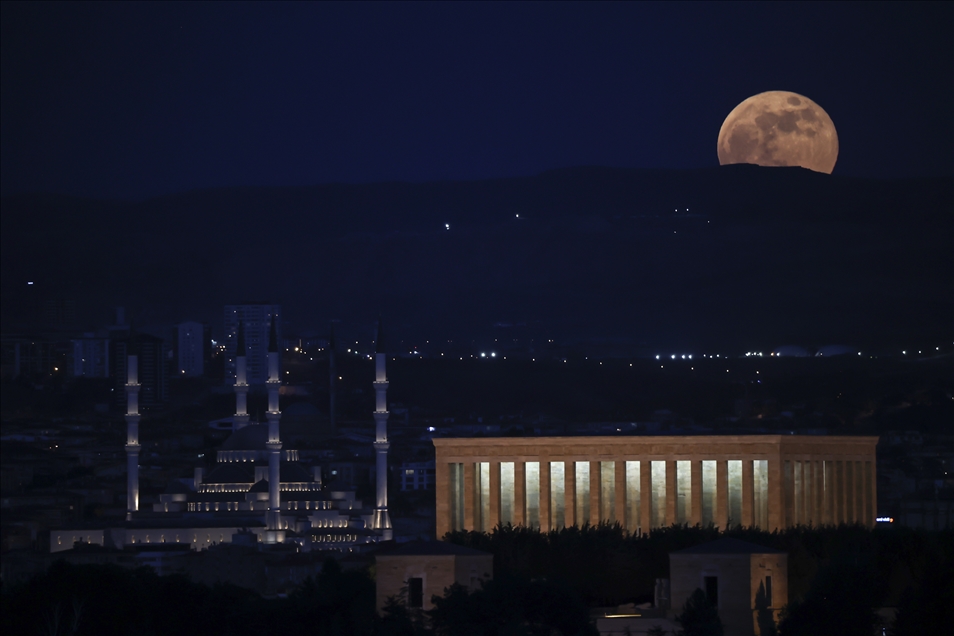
(153, 370)
(766, 481)
(256, 318)
(192, 343)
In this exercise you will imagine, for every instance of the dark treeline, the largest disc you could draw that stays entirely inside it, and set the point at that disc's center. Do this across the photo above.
(544, 583)
(611, 566)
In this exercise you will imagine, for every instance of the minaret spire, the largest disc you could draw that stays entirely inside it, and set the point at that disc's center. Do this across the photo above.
(273, 519)
(381, 521)
(240, 419)
(132, 429)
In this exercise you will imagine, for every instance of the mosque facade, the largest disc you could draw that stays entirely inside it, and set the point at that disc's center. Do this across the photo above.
(257, 485)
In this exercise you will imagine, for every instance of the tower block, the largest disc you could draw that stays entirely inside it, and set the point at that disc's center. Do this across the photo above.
(132, 434)
(274, 532)
(381, 520)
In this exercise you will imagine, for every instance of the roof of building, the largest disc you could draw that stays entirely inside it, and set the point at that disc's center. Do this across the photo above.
(260, 486)
(232, 473)
(224, 521)
(431, 548)
(728, 545)
(251, 437)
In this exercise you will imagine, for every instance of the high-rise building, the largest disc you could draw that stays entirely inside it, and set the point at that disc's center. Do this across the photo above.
(256, 318)
(193, 349)
(89, 357)
(153, 377)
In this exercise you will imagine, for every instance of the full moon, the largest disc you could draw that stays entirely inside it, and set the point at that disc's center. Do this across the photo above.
(779, 128)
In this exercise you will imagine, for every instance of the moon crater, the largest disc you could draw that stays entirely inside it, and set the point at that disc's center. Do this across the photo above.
(779, 128)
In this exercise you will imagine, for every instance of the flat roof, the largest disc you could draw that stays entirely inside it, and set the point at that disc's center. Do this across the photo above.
(431, 548)
(728, 545)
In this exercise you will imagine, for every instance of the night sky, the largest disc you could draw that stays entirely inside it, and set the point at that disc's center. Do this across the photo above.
(130, 101)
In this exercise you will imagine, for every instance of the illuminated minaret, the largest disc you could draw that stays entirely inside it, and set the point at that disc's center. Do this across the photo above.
(240, 419)
(381, 521)
(332, 379)
(273, 520)
(132, 431)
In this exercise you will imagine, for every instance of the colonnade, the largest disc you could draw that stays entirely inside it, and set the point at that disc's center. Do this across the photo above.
(485, 482)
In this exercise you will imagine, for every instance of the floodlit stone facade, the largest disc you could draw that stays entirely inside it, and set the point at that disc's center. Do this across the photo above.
(742, 580)
(644, 482)
(417, 571)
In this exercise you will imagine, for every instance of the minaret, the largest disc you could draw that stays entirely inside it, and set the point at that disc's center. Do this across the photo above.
(381, 521)
(240, 419)
(273, 520)
(332, 380)
(132, 431)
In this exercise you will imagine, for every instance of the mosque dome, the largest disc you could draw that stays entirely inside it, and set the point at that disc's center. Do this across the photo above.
(249, 438)
(230, 474)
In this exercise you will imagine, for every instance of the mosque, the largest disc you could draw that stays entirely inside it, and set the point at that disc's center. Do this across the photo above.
(257, 486)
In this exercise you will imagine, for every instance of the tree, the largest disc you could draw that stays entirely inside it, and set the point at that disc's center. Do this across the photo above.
(764, 617)
(699, 617)
(841, 601)
(928, 606)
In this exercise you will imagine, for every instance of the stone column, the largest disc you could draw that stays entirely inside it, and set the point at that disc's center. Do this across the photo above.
(808, 485)
(798, 488)
(519, 493)
(722, 494)
(619, 493)
(819, 488)
(470, 496)
(596, 493)
(859, 492)
(776, 493)
(645, 496)
(494, 519)
(849, 491)
(695, 514)
(545, 524)
(838, 495)
(569, 491)
(829, 493)
(871, 498)
(672, 496)
(788, 491)
(443, 493)
(748, 502)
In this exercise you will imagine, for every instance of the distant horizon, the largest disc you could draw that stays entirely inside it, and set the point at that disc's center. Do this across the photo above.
(568, 168)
